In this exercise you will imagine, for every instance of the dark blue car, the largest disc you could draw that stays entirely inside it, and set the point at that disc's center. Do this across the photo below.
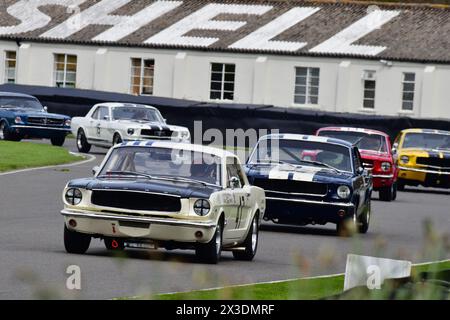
(312, 180)
(23, 117)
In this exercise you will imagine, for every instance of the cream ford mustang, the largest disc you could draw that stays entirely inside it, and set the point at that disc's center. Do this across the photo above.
(110, 123)
(150, 194)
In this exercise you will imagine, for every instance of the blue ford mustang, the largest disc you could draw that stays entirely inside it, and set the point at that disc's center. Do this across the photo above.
(23, 116)
(312, 180)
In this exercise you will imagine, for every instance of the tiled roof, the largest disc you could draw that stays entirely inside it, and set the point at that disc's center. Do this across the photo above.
(314, 28)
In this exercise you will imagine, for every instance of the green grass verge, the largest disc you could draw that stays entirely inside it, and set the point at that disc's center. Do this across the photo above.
(22, 155)
(301, 289)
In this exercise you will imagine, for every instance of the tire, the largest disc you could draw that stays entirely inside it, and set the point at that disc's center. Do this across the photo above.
(210, 252)
(386, 193)
(5, 134)
(364, 219)
(82, 143)
(114, 244)
(250, 243)
(117, 139)
(58, 141)
(394, 191)
(347, 227)
(400, 185)
(76, 242)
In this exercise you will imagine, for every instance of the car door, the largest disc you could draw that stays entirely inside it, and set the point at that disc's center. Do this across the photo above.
(362, 181)
(238, 215)
(91, 125)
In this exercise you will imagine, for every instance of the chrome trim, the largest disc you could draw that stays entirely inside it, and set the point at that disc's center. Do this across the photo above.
(299, 194)
(164, 221)
(337, 204)
(424, 170)
(383, 176)
(37, 127)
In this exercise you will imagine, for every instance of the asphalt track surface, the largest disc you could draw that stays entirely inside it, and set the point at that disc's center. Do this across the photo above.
(33, 261)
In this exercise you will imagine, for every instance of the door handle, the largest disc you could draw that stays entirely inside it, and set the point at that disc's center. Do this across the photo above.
(248, 194)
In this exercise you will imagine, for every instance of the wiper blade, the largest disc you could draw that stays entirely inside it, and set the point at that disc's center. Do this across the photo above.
(126, 173)
(320, 164)
(184, 180)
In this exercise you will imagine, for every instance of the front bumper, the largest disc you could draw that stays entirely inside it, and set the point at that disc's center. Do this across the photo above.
(304, 211)
(38, 131)
(142, 227)
(423, 176)
(382, 180)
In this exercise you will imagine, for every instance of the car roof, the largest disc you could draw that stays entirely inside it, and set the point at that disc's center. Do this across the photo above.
(15, 94)
(418, 130)
(178, 146)
(354, 129)
(124, 104)
(292, 136)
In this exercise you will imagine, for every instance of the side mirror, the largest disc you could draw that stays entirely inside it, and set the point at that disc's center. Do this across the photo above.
(45, 109)
(95, 170)
(235, 183)
(106, 118)
(394, 148)
(360, 170)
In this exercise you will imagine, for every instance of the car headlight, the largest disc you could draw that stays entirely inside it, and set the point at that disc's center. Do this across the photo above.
(185, 134)
(130, 131)
(404, 159)
(18, 120)
(343, 192)
(73, 196)
(68, 123)
(202, 207)
(385, 166)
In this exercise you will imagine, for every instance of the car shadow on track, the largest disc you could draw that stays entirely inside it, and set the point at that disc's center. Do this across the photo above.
(310, 230)
(153, 255)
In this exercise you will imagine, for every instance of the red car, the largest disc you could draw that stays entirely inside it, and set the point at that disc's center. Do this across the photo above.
(375, 149)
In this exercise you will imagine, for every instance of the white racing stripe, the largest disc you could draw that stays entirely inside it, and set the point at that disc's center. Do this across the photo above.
(304, 174)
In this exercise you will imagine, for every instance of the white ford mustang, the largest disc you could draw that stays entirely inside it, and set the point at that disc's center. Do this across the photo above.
(107, 124)
(165, 194)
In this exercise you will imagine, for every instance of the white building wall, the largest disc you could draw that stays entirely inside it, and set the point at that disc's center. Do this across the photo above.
(260, 79)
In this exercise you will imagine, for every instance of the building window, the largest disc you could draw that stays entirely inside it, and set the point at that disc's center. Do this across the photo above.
(409, 85)
(142, 74)
(306, 85)
(65, 70)
(369, 89)
(10, 66)
(222, 81)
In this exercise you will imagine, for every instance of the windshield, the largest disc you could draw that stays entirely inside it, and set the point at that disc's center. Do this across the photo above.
(372, 142)
(299, 152)
(163, 163)
(20, 102)
(136, 113)
(426, 140)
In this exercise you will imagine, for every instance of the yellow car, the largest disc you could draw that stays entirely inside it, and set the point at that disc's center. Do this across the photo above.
(423, 158)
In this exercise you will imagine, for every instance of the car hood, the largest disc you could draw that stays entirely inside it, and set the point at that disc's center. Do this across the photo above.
(303, 173)
(182, 189)
(33, 113)
(375, 155)
(434, 153)
(139, 124)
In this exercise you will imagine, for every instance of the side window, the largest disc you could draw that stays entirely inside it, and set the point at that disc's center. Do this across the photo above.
(358, 162)
(234, 170)
(96, 113)
(103, 113)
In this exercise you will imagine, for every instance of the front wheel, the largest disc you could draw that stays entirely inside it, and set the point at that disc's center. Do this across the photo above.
(387, 193)
(7, 135)
(117, 139)
(76, 242)
(364, 219)
(400, 185)
(210, 252)
(250, 244)
(82, 143)
(58, 141)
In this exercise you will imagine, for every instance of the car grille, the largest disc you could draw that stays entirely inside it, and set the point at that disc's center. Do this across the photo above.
(136, 200)
(292, 186)
(157, 133)
(434, 162)
(42, 121)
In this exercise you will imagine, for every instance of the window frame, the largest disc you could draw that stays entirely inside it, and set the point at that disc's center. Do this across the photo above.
(142, 76)
(223, 73)
(7, 68)
(366, 89)
(308, 85)
(403, 92)
(65, 82)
